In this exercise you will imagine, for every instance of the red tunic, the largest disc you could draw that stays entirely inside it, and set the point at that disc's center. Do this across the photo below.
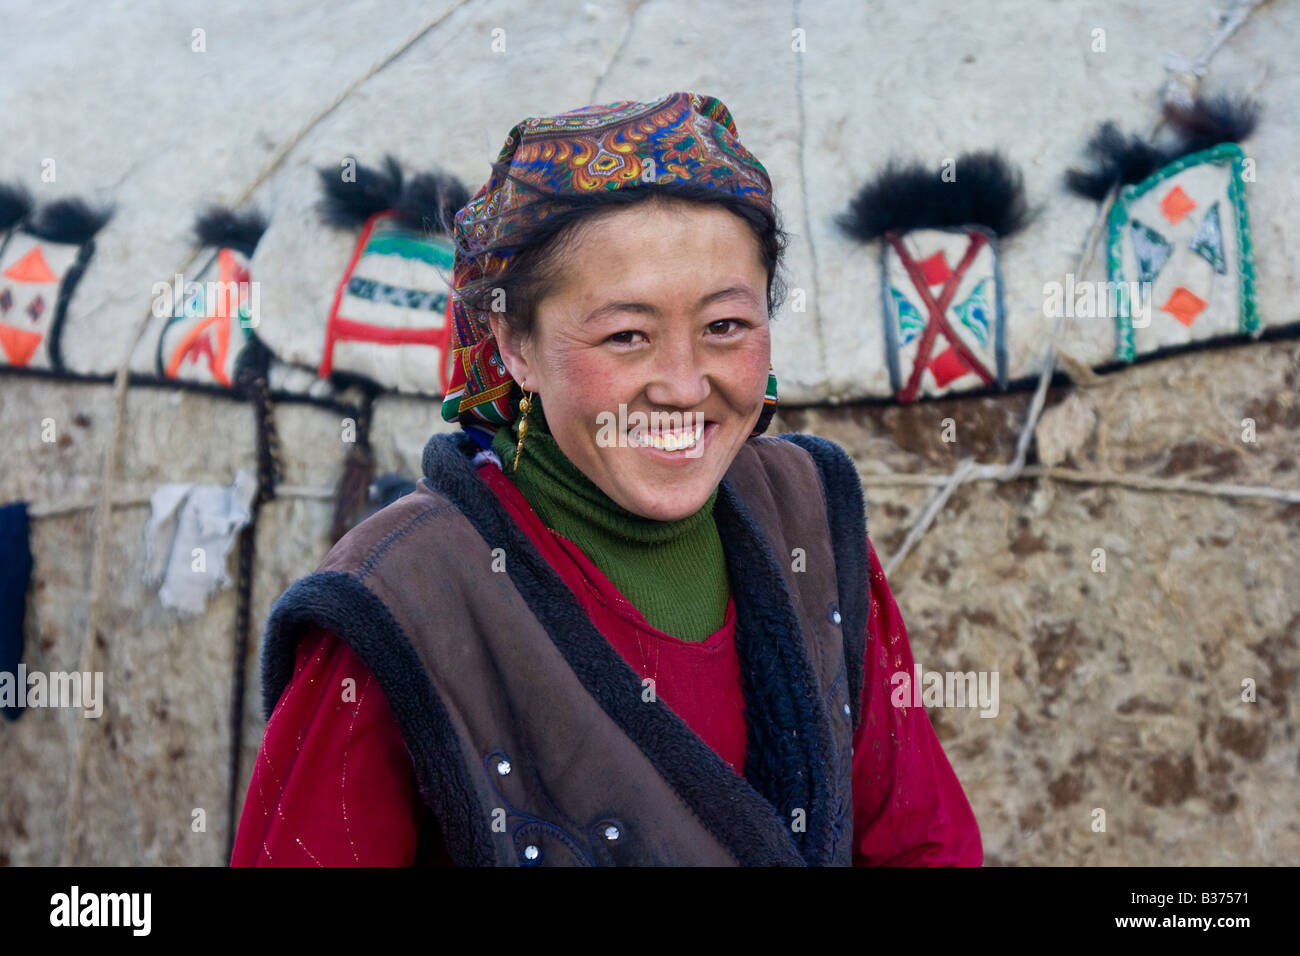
(334, 784)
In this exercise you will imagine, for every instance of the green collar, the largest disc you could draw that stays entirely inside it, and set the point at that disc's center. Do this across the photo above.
(673, 572)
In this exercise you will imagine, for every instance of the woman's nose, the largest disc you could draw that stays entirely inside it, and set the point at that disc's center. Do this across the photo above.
(680, 379)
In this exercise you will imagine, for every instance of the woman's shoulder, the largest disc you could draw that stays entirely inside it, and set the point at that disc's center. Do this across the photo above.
(824, 452)
(794, 457)
(387, 527)
(793, 471)
(448, 461)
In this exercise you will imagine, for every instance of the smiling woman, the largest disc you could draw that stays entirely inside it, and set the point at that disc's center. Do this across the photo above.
(665, 346)
(613, 624)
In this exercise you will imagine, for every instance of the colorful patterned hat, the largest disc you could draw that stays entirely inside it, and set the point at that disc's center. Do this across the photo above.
(682, 138)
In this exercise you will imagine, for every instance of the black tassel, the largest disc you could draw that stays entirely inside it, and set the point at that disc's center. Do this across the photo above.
(70, 221)
(1211, 120)
(1124, 160)
(15, 205)
(348, 204)
(1116, 158)
(988, 191)
(430, 201)
(225, 228)
(353, 489)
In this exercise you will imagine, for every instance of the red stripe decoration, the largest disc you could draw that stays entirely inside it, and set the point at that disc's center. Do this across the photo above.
(350, 330)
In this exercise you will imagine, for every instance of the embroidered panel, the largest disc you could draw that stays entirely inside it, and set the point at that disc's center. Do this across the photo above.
(1183, 235)
(943, 311)
(33, 298)
(389, 319)
(202, 342)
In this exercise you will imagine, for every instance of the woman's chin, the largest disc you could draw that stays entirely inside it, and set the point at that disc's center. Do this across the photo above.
(674, 510)
(665, 499)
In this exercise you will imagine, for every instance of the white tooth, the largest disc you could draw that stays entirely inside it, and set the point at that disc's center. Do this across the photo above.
(669, 441)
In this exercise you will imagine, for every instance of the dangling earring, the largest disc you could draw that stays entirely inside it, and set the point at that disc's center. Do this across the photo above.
(525, 405)
(769, 404)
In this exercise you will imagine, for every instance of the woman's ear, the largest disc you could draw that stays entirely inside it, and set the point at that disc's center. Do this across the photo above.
(513, 351)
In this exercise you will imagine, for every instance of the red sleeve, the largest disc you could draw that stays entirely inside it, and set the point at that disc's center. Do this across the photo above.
(333, 784)
(908, 807)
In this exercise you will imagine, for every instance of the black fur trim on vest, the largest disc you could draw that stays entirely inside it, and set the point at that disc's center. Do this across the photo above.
(789, 752)
(707, 785)
(846, 511)
(342, 603)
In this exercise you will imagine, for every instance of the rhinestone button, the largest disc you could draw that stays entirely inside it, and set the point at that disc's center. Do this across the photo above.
(611, 833)
(847, 712)
(531, 853)
(835, 615)
(503, 767)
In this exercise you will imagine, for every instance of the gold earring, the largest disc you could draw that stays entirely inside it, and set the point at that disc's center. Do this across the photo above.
(525, 405)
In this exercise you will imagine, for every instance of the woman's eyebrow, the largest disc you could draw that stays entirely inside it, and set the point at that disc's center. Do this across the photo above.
(646, 308)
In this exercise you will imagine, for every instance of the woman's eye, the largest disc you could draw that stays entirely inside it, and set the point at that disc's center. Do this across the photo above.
(627, 337)
(725, 326)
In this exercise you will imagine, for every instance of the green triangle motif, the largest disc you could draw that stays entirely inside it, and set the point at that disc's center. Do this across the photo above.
(1207, 241)
(910, 320)
(1151, 250)
(974, 313)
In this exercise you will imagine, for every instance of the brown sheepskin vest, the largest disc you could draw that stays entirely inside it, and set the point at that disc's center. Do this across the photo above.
(530, 737)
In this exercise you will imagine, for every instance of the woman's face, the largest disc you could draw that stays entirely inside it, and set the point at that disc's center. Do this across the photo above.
(651, 356)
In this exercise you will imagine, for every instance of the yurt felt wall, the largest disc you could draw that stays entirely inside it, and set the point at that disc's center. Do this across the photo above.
(1122, 690)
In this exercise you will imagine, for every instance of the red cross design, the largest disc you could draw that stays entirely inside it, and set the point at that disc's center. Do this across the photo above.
(938, 309)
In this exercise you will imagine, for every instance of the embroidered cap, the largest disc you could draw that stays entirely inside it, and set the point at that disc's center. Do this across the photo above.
(682, 138)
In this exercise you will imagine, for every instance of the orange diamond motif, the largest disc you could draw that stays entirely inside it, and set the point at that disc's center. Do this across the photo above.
(1184, 305)
(1176, 205)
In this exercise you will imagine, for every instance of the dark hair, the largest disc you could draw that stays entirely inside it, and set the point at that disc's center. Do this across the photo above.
(533, 270)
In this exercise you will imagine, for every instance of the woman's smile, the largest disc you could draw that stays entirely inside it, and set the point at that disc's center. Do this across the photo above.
(674, 446)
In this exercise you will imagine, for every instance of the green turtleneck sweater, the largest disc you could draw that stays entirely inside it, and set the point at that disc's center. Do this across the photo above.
(673, 572)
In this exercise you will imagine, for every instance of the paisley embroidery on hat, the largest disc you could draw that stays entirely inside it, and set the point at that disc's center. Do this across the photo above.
(682, 137)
